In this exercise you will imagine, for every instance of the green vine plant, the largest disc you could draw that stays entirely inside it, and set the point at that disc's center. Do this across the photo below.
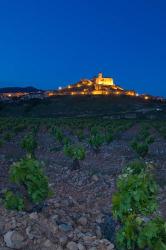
(136, 192)
(137, 234)
(141, 143)
(29, 143)
(32, 184)
(134, 201)
(59, 136)
(80, 134)
(14, 201)
(76, 153)
(140, 147)
(96, 141)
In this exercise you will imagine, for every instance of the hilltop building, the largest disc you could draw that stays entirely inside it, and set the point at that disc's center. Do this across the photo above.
(96, 86)
(106, 81)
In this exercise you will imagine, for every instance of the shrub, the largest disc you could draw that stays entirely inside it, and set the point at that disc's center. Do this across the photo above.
(59, 135)
(29, 143)
(153, 235)
(136, 194)
(135, 167)
(80, 134)
(66, 141)
(136, 198)
(27, 173)
(13, 201)
(75, 152)
(96, 141)
(94, 130)
(140, 147)
(127, 236)
(141, 142)
(138, 234)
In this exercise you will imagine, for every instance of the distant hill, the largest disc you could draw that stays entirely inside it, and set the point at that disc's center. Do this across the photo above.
(28, 89)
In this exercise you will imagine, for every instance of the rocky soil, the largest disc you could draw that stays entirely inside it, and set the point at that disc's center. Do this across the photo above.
(78, 216)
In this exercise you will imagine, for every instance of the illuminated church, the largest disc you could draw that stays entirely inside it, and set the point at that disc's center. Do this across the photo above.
(103, 80)
(96, 86)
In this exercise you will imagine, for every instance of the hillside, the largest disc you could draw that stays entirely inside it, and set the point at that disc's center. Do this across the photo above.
(28, 89)
(83, 106)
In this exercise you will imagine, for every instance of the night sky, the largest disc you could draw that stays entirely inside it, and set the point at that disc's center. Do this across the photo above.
(53, 43)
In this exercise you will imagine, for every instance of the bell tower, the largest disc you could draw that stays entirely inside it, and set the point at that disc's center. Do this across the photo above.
(100, 75)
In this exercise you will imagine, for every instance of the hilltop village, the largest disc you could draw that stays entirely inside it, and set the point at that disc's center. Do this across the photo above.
(99, 85)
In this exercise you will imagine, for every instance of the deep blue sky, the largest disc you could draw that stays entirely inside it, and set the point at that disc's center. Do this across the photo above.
(53, 43)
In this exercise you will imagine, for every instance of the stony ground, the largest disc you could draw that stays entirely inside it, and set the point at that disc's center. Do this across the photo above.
(78, 216)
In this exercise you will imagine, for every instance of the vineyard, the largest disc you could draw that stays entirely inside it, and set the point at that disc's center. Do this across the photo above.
(82, 183)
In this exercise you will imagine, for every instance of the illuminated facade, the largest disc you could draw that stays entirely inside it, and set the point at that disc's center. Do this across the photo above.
(96, 86)
(106, 81)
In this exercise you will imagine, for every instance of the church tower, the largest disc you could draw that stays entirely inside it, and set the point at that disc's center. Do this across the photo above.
(100, 80)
